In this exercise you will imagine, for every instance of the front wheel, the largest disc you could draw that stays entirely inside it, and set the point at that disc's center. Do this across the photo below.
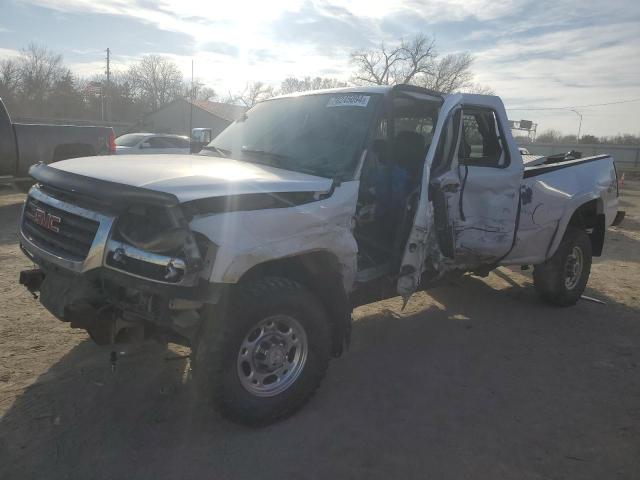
(561, 280)
(264, 358)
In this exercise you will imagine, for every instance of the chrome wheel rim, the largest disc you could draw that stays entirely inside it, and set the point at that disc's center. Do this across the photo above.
(272, 356)
(573, 268)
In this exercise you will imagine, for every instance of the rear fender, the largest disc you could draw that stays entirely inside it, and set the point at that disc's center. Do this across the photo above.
(572, 216)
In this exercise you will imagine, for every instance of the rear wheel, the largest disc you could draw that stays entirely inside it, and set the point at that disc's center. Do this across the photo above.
(264, 358)
(561, 280)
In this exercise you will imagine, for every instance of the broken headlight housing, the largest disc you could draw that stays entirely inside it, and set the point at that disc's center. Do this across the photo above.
(150, 230)
(151, 243)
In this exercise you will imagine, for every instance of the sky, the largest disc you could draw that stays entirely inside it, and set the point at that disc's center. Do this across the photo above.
(533, 53)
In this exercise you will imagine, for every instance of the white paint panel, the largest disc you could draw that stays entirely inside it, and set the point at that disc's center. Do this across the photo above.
(246, 239)
(190, 177)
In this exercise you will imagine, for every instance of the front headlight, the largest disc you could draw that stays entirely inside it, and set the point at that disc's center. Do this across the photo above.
(150, 229)
(147, 242)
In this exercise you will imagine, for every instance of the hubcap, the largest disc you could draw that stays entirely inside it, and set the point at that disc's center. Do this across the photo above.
(573, 268)
(272, 356)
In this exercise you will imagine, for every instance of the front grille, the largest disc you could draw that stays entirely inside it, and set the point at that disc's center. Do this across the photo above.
(74, 234)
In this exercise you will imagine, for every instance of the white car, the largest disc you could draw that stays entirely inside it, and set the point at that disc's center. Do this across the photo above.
(151, 143)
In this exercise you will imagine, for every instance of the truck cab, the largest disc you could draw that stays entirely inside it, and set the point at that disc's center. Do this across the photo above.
(255, 252)
(24, 144)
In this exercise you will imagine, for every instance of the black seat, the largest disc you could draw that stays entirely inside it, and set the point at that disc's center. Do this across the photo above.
(410, 152)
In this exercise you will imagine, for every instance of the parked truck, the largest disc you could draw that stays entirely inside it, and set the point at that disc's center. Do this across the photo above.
(255, 252)
(23, 145)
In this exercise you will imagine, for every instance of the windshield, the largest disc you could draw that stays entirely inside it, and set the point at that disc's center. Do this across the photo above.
(317, 134)
(129, 140)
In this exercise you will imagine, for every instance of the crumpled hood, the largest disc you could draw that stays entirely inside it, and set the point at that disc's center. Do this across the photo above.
(192, 177)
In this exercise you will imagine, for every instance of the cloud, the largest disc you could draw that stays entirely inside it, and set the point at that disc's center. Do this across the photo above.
(579, 66)
(327, 28)
(532, 52)
(222, 48)
(6, 53)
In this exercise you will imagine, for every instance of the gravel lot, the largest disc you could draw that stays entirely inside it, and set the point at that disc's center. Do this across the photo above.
(477, 379)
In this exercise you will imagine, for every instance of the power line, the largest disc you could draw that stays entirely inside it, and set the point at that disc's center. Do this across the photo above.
(577, 106)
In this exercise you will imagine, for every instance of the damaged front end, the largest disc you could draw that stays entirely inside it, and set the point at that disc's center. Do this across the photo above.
(118, 261)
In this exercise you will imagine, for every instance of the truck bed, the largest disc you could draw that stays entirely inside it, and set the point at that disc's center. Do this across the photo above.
(550, 193)
(542, 165)
(23, 145)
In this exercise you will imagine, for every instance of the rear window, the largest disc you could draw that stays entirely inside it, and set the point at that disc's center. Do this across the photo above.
(177, 142)
(159, 142)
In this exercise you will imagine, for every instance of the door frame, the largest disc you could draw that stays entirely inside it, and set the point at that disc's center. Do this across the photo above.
(422, 243)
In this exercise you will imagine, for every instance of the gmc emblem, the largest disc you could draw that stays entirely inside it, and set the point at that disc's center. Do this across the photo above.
(47, 220)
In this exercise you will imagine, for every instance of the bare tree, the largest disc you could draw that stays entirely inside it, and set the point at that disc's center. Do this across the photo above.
(39, 68)
(414, 61)
(588, 138)
(376, 67)
(479, 89)
(417, 63)
(407, 62)
(451, 73)
(292, 84)
(622, 139)
(155, 80)
(65, 100)
(9, 78)
(254, 92)
(206, 93)
(199, 91)
(549, 136)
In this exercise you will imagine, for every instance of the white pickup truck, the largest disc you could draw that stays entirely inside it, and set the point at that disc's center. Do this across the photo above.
(255, 252)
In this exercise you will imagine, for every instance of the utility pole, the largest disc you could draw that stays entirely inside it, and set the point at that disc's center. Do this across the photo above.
(191, 108)
(579, 124)
(108, 89)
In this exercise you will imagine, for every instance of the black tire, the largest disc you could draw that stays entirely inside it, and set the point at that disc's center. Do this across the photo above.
(217, 353)
(550, 278)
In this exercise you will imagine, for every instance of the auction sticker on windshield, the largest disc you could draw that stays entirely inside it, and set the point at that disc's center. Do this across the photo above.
(349, 101)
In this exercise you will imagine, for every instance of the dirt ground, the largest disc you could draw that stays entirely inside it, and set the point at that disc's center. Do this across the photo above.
(477, 379)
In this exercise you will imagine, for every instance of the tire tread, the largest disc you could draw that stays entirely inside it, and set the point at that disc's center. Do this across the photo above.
(548, 277)
(217, 338)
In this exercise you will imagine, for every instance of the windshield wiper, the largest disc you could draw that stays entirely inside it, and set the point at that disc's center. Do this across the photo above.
(221, 151)
(280, 160)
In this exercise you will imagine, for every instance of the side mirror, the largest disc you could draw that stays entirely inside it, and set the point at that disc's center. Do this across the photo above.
(199, 138)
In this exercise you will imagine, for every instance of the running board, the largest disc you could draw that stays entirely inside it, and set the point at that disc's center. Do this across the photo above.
(373, 273)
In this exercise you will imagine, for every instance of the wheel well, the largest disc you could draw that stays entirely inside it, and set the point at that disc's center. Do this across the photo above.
(320, 273)
(589, 217)
(72, 150)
